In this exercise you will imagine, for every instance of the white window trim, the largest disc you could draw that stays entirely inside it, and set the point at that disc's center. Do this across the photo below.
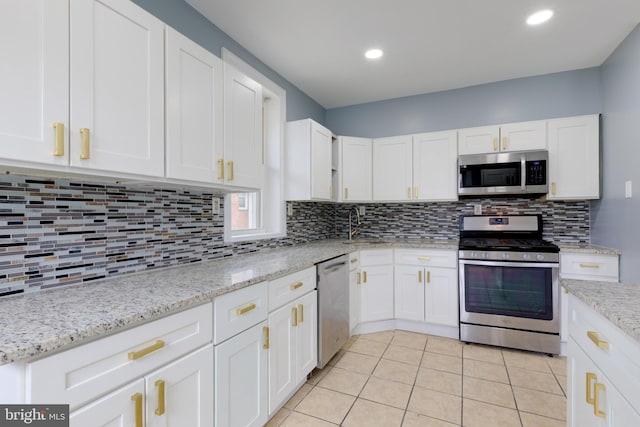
(274, 225)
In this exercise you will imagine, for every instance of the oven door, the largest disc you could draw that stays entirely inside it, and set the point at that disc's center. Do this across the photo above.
(514, 295)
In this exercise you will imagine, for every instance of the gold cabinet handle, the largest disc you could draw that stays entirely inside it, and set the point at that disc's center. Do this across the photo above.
(504, 142)
(424, 258)
(428, 277)
(420, 276)
(135, 355)
(590, 377)
(364, 277)
(294, 315)
(597, 388)
(553, 188)
(245, 310)
(593, 336)
(230, 176)
(331, 191)
(301, 313)
(346, 193)
(160, 386)
(59, 131)
(296, 286)
(84, 143)
(220, 168)
(589, 265)
(354, 260)
(359, 276)
(137, 398)
(265, 330)
(408, 192)
(495, 144)
(415, 192)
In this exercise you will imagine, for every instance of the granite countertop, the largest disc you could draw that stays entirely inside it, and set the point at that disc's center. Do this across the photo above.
(587, 249)
(39, 323)
(617, 302)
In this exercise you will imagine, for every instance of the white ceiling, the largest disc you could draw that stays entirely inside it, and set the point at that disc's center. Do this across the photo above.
(430, 45)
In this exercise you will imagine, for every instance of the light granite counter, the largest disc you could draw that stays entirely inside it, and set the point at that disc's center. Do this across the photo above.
(617, 302)
(39, 323)
(587, 249)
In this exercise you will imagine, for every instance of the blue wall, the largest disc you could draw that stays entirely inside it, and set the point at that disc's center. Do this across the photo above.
(564, 94)
(181, 16)
(614, 218)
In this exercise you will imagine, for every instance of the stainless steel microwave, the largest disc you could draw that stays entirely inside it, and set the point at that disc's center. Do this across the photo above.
(523, 172)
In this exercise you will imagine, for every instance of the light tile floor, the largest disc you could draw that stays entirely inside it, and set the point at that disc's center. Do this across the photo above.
(398, 378)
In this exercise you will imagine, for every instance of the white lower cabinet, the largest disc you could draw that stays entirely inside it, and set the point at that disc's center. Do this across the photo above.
(293, 348)
(241, 389)
(178, 394)
(376, 289)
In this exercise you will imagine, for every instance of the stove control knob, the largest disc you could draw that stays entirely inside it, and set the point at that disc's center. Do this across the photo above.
(505, 255)
(540, 257)
(526, 256)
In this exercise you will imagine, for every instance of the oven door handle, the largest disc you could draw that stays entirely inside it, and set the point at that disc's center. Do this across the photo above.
(509, 264)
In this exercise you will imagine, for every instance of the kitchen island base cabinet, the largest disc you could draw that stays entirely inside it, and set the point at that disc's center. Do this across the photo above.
(179, 394)
(241, 389)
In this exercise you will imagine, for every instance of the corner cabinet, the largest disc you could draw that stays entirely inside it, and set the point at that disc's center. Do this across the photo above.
(308, 158)
(574, 158)
(90, 93)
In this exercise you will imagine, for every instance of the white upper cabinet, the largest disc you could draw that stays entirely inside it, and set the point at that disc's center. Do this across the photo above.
(355, 168)
(243, 161)
(392, 168)
(574, 158)
(435, 160)
(34, 81)
(194, 128)
(503, 138)
(117, 88)
(308, 156)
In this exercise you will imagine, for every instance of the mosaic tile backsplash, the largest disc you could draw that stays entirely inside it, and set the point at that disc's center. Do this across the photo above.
(61, 232)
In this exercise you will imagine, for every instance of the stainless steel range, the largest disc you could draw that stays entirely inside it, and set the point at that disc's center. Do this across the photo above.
(509, 294)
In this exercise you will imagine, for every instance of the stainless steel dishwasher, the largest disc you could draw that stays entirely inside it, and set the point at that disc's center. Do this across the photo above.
(333, 307)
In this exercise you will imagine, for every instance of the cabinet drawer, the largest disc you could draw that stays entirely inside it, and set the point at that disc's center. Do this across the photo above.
(354, 261)
(617, 356)
(290, 287)
(239, 310)
(589, 267)
(81, 374)
(376, 256)
(427, 257)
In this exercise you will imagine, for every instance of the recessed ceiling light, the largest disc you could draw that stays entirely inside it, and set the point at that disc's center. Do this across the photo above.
(373, 53)
(540, 17)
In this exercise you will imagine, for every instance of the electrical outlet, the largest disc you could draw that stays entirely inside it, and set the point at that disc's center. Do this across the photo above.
(289, 209)
(361, 210)
(215, 206)
(477, 209)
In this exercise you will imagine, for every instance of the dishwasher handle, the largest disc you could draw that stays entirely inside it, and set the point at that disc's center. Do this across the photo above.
(333, 266)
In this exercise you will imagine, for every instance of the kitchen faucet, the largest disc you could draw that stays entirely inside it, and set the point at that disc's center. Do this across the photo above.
(353, 230)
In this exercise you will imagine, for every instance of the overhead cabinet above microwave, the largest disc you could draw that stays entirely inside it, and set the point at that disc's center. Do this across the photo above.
(522, 136)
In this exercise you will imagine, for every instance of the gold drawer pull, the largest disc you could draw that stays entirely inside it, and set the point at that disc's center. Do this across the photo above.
(84, 143)
(220, 168)
(245, 310)
(137, 398)
(354, 260)
(419, 276)
(135, 355)
(265, 329)
(294, 315)
(593, 336)
(589, 265)
(160, 386)
(590, 377)
(359, 278)
(59, 147)
(364, 277)
(296, 285)
(597, 388)
(424, 258)
(428, 277)
(301, 312)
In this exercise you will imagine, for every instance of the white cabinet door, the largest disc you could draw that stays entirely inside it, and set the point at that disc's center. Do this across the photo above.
(320, 163)
(282, 353)
(376, 293)
(523, 136)
(435, 160)
(580, 412)
(392, 168)
(241, 389)
(441, 296)
(117, 88)
(307, 334)
(117, 409)
(242, 129)
(181, 393)
(355, 169)
(574, 158)
(34, 80)
(194, 83)
(409, 289)
(479, 140)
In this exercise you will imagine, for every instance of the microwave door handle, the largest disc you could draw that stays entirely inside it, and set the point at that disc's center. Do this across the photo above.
(523, 173)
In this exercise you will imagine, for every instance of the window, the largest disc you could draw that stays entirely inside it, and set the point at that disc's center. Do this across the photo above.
(260, 214)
